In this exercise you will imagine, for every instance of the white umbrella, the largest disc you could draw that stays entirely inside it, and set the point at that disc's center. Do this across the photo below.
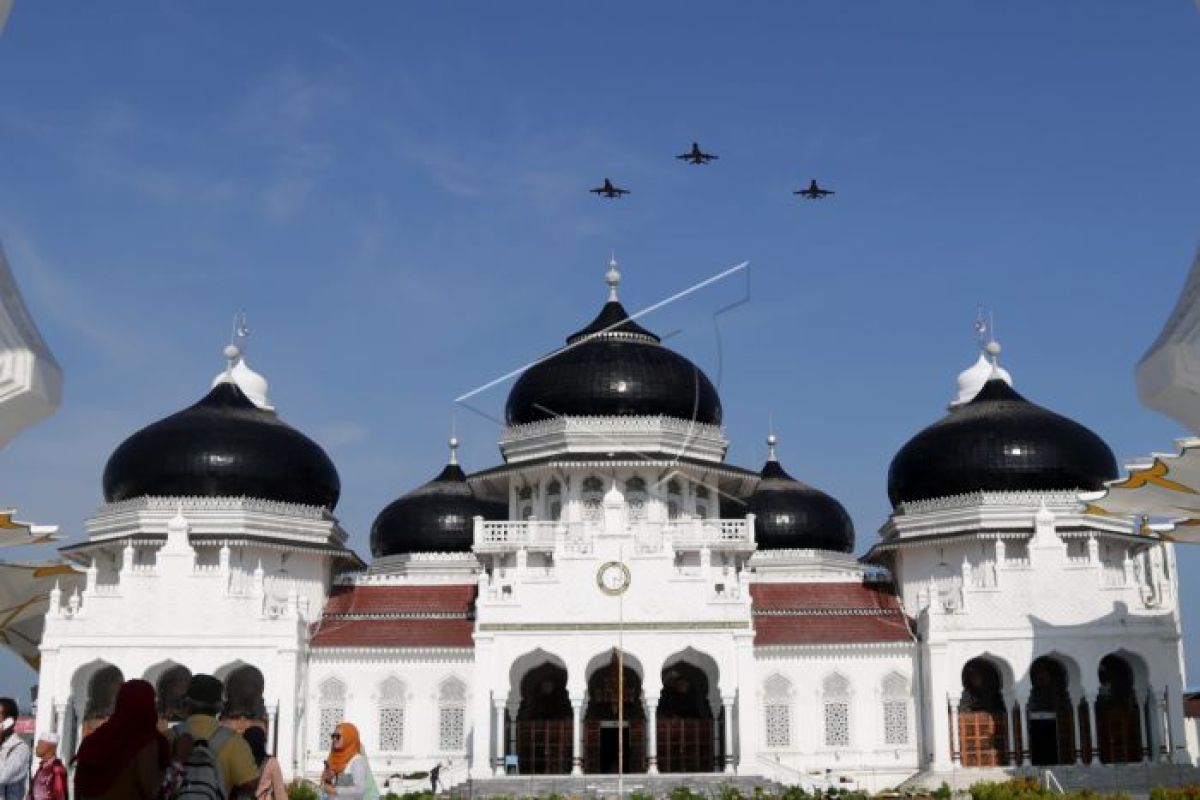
(24, 599)
(1165, 485)
(14, 533)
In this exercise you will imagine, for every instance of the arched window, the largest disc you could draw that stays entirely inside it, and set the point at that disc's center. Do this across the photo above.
(391, 716)
(170, 687)
(895, 694)
(674, 493)
(524, 502)
(777, 711)
(554, 500)
(635, 499)
(452, 715)
(835, 693)
(331, 704)
(702, 502)
(593, 499)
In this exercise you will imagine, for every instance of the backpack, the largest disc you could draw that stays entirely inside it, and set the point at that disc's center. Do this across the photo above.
(201, 778)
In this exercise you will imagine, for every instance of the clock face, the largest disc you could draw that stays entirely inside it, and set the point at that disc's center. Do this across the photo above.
(613, 577)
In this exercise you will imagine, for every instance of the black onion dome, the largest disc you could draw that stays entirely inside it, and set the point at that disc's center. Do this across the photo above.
(223, 446)
(999, 441)
(793, 515)
(437, 517)
(613, 367)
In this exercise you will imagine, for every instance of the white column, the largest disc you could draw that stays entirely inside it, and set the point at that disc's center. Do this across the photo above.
(577, 736)
(727, 702)
(498, 730)
(651, 734)
(1025, 748)
(1011, 757)
(1175, 726)
(1090, 701)
(1142, 707)
(955, 745)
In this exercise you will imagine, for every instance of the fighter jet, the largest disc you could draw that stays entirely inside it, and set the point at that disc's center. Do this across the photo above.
(813, 192)
(609, 191)
(696, 155)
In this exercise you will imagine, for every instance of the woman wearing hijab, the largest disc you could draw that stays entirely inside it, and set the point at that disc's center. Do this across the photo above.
(124, 759)
(347, 775)
(270, 782)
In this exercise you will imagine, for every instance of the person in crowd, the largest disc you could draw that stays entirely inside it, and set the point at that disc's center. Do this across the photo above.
(125, 758)
(202, 703)
(15, 755)
(50, 780)
(347, 774)
(270, 782)
(435, 776)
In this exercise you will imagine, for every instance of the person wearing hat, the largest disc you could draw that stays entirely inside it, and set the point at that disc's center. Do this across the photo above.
(202, 703)
(50, 780)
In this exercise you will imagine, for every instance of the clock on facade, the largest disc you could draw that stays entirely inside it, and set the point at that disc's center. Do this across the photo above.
(613, 577)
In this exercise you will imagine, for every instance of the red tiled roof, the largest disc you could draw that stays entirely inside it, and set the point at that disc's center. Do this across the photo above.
(394, 633)
(797, 596)
(826, 613)
(453, 599)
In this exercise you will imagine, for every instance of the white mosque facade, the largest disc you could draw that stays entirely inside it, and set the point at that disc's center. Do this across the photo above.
(615, 596)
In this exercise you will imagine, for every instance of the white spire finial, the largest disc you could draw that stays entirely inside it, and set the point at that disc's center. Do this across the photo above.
(772, 440)
(237, 371)
(453, 449)
(613, 278)
(987, 364)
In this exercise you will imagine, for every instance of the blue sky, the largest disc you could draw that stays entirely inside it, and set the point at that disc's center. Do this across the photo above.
(395, 193)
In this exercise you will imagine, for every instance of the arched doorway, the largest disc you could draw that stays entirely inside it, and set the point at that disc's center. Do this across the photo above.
(544, 722)
(171, 687)
(101, 697)
(685, 721)
(1051, 717)
(982, 717)
(244, 706)
(1118, 716)
(604, 740)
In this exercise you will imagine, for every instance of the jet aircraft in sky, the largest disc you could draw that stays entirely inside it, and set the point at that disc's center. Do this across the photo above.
(696, 155)
(814, 192)
(609, 191)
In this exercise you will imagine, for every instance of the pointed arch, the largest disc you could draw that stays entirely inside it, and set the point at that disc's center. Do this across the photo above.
(835, 694)
(452, 715)
(331, 708)
(896, 692)
(777, 711)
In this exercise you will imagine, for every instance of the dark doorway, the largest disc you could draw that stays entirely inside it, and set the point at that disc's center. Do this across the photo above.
(544, 722)
(982, 723)
(600, 722)
(1051, 716)
(685, 721)
(1118, 716)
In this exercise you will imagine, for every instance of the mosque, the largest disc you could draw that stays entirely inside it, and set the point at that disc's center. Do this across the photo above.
(614, 596)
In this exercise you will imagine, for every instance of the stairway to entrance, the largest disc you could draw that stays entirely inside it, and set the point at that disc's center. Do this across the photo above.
(594, 786)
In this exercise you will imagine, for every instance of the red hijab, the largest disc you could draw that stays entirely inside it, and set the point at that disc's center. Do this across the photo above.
(111, 748)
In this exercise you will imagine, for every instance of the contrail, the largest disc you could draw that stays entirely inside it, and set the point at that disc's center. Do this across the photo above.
(694, 288)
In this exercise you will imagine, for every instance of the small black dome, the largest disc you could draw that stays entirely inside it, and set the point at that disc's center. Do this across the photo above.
(437, 517)
(999, 441)
(613, 367)
(223, 446)
(793, 515)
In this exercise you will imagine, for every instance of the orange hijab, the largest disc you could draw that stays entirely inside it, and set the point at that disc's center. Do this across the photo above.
(340, 759)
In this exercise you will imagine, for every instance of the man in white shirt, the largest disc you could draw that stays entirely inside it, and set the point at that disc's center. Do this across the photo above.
(16, 758)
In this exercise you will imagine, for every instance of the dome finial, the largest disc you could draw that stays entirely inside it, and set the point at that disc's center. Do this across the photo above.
(237, 371)
(453, 450)
(772, 440)
(987, 364)
(613, 278)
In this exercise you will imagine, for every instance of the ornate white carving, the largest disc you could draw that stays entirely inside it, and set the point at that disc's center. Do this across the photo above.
(650, 434)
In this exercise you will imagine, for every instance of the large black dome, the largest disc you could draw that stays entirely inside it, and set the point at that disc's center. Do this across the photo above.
(224, 446)
(437, 517)
(793, 515)
(613, 367)
(999, 441)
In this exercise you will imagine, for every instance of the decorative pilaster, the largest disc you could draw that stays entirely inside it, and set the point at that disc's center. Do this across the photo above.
(1025, 755)
(955, 745)
(576, 735)
(1089, 700)
(498, 730)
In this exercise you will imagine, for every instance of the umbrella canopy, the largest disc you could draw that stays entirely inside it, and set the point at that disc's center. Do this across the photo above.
(14, 533)
(25, 597)
(1163, 486)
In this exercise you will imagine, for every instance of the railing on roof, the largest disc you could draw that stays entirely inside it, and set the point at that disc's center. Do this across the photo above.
(684, 533)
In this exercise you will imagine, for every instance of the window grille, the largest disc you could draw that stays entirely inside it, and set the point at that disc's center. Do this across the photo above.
(837, 724)
(451, 727)
(779, 725)
(593, 500)
(895, 722)
(332, 705)
(391, 729)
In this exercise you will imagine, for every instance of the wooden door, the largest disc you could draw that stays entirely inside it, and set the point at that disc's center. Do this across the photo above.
(1120, 732)
(544, 746)
(982, 738)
